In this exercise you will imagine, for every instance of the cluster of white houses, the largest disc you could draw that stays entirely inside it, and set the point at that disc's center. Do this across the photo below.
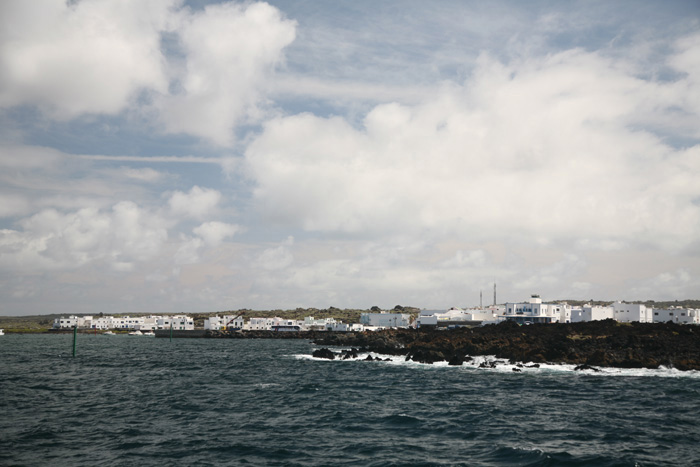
(139, 323)
(368, 322)
(534, 311)
(531, 312)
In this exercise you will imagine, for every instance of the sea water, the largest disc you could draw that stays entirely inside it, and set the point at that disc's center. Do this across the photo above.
(129, 400)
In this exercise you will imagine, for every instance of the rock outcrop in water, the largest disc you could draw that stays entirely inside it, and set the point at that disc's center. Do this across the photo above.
(597, 343)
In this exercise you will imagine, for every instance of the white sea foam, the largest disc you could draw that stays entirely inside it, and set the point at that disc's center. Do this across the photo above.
(503, 366)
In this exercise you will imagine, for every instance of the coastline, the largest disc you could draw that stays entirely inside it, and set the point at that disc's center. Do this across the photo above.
(598, 343)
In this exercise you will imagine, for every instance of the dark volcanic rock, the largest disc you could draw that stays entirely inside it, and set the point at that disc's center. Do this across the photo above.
(323, 353)
(598, 343)
(427, 356)
(456, 360)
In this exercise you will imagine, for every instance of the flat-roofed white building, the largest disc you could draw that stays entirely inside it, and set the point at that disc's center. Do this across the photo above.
(534, 311)
(677, 315)
(178, 322)
(591, 313)
(632, 312)
(345, 327)
(127, 322)
(150, 323)
(70, 322)
(385, 319)
(321, 324)
(457, 317)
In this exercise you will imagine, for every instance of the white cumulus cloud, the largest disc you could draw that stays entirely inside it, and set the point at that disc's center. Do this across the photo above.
(55, 240)
(71, 58)
(229, 49)
(553, 148)
(214, 232)
(197, 203)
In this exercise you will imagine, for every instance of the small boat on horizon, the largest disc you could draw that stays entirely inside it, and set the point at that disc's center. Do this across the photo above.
(108, 333)
(2, 332)
(136, 333)
(149, 333)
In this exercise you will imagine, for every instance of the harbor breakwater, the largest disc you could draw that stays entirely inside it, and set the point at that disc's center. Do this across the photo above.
(598, 343)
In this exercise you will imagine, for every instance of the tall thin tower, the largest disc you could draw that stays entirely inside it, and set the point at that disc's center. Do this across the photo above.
(494, 294)
(481, 299)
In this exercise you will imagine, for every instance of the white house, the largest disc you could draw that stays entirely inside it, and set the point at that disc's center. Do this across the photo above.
(535, 311)
(224, 322)
(70, 322)
(178, 322)
(591, 313)
(385, 319)
(127, 322)
(677, 315)
(149, 323)
(345, 327)
(629, 312)
(457, 317)
(427, 320)
(322, 324)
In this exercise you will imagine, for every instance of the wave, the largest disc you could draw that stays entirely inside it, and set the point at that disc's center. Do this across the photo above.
(499, 365)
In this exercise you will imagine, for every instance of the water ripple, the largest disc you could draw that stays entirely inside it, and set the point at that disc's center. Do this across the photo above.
(127, 401)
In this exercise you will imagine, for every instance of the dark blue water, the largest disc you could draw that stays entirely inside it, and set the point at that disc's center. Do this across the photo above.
(144, 401)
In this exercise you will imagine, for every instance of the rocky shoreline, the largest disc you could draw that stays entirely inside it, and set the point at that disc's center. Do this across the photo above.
(598, 343)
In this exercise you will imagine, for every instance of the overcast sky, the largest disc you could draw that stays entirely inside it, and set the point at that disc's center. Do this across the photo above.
(201, 156)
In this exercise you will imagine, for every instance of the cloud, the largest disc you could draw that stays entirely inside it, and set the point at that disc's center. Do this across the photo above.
(213, 233)
(197, 203)
(565, 146)
(200, 73)
(13, 205)
(53, 240)
(277, 258)
(229, 50)
(72, 58)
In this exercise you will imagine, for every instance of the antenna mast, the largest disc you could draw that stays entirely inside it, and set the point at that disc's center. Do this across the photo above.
(494, 294)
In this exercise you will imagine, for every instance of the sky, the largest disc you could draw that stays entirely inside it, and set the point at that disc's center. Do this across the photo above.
(198, 156)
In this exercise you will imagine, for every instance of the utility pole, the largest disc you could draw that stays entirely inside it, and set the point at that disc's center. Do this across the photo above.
(481, 299)
(494, 294)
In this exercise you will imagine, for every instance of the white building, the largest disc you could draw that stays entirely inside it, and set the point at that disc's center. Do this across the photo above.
(150, 323)
(271, 324)
(458, 317)
(427, 319)
(591, 313)
(676, 315)
(127, 322)
(535, 311)
(224, 322)
(345, 327)
(632, 312)
(322, 324)
(385, 319)
(70, 322)
(178, 322)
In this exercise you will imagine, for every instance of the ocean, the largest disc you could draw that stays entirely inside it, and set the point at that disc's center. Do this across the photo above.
(127, 400)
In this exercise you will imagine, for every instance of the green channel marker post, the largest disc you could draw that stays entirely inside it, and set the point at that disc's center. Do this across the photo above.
(75, 338)
(171, 331)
